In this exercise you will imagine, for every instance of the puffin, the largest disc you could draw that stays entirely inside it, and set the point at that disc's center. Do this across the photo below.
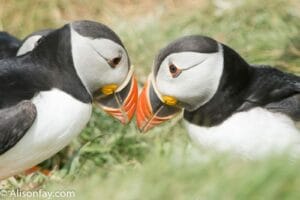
(30, 41)
(46, 94)
(9, 45)
(228, 105)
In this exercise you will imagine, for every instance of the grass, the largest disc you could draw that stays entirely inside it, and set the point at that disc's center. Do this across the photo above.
(110, 161)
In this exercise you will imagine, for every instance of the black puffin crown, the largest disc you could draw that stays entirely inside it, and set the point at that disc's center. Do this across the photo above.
(193, 43)
(95, 30)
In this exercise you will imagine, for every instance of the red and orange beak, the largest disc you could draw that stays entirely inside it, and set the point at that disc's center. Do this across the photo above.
(152, 109)
(119, 102)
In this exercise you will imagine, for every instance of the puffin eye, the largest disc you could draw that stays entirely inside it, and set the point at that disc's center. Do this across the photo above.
(174, 70)
(115, 61)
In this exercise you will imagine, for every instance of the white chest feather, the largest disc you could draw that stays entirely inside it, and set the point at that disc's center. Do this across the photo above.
(251, 134)
(60, 118)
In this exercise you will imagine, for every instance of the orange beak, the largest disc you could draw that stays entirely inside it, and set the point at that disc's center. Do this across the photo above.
(151, 111)
(121, 103)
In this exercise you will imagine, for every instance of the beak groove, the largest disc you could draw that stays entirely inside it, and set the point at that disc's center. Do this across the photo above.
(144, 110)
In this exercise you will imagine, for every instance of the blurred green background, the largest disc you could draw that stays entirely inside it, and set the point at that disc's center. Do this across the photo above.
(110, 161)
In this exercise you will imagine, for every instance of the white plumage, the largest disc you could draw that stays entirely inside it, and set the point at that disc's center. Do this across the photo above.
(60, 118)
(252, 134)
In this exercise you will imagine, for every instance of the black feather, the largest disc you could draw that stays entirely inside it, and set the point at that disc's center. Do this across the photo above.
(9, 45)
(14, 123)
(49, 65)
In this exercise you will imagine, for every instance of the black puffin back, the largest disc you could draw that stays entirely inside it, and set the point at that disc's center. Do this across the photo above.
(230, 95)
(49, 65)
(43, 32)
(9, 45)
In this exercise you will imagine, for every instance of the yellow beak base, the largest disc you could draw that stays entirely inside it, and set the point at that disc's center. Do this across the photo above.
(169, 100)
(109, 89)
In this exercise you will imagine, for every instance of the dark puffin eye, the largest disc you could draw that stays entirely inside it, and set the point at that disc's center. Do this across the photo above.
(115, 61)
(174, 70)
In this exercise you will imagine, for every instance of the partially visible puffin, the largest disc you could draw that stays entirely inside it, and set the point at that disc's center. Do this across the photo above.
(228, 104)
(46, 95)
(31, 41)
(9, 45)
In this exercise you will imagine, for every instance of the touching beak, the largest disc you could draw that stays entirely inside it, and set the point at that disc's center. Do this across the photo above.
(152, 109)
(119, 102)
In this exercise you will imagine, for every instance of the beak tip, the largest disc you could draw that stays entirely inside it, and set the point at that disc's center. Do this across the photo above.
(124, 122)
(139, 124)
(125, 119)
(141, 130)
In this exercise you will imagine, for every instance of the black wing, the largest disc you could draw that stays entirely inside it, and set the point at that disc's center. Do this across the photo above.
(21, 79)
(290, 106)
(14, 123)
(276, 91)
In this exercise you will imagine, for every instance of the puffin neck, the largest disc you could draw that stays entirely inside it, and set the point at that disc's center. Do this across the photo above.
(54, 54)
(235, 79)
(53, 49)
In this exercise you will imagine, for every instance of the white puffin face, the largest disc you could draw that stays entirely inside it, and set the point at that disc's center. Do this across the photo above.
(99, 61)
(190, 77)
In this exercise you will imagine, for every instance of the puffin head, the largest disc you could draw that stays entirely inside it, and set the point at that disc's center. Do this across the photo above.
(186, 75)
(100, 61)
